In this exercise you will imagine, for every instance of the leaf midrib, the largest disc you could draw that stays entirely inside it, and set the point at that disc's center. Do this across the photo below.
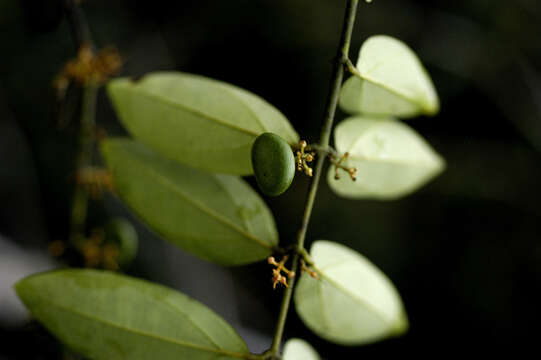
(394, 162)
(238, 93)
(204, 208)
(358, 299)
(352, 155)
(420, 104)
(145, 334)
(246, 106)
(171, 103)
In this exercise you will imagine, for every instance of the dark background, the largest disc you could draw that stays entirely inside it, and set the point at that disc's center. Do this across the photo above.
(463, 251)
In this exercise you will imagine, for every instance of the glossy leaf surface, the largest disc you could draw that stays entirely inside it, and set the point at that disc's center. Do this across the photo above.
(391, 159)
(201, 122)
(391, 81)
(297, 349)
(353, 302)
(106, 316)
(219, 218)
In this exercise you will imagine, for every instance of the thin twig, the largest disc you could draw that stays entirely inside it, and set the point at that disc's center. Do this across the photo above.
(352, 69)
(340, 61)
(327, 150)
(78, 24)
(81, 36)
(84, 158)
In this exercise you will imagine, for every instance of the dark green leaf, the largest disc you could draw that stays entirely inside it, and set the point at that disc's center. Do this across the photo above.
(201, 122)
(105, 316)
(216, 217)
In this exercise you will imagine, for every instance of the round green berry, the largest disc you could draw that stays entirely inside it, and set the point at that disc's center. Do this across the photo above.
(122, 233)
(273, 163)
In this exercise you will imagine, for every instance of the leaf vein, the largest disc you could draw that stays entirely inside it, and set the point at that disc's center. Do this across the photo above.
(354, 296)
(146, 334)
(393, 91)
(206, 209)
(194, 111)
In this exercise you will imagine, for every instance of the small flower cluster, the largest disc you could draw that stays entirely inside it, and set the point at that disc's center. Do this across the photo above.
(338, 165)
(277, 277)
(88, 67)
(303, 158)
(95, 180)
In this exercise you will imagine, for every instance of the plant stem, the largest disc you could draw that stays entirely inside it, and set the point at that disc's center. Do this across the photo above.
(340, 61)
(328, 150)
(86, 149)
(81, 36)
(78, 24)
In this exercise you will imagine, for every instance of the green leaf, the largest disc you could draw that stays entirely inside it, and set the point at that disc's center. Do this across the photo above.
(297, 349)
(216, 217)
(352, 302)
(201, 122)
(105, 316)
(391, 81)
(391, 159)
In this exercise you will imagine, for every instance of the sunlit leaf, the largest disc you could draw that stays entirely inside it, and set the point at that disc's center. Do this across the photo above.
(219, 218)
(391, 81)
(352, 302)
(297, 349)
(105, 316)
(391, 159)
(201, 122)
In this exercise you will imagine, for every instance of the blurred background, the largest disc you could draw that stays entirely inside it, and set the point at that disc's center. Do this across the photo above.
(464, 251)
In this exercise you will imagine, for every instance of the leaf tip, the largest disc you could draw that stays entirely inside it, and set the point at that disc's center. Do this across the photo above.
(440, 165)
(19, 288)
(432, 106)
(114, 85)
(402, 324)
(23, 288)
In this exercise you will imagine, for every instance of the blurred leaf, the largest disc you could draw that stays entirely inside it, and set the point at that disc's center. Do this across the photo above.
(297, 349)
(391, 159)
(198, 121)
(106, 316)
(216, 217)
(353, 302)
(392, 82)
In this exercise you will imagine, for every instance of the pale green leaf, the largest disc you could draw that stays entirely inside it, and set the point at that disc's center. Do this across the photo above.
(106, 316)
(352, 302)
(391, 159)
(298, 349)
(219, 218)
(201, 122)
(391, 81)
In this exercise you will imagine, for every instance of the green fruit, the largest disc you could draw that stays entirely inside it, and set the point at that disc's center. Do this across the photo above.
(121, 232)
(273, 163)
